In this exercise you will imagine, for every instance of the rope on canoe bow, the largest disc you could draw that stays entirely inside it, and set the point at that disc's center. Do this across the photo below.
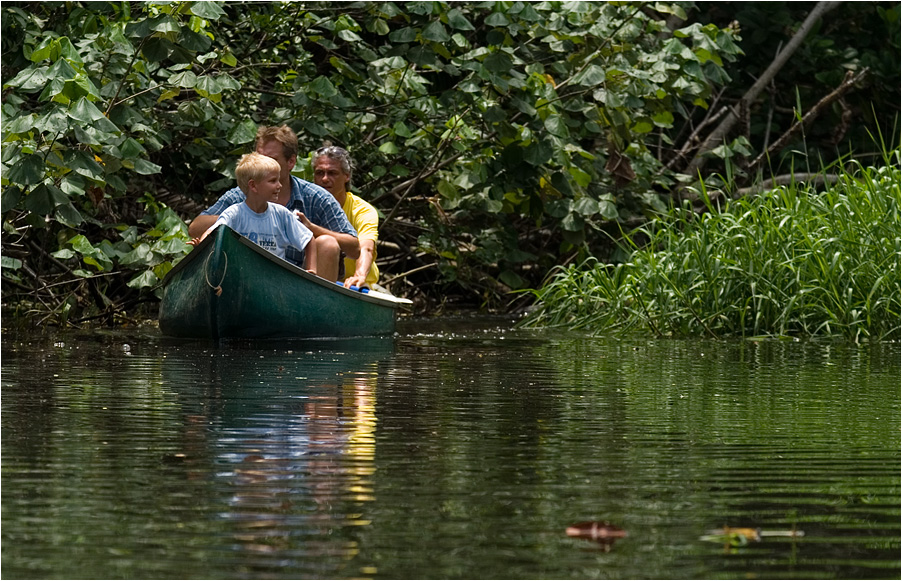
(218, 287)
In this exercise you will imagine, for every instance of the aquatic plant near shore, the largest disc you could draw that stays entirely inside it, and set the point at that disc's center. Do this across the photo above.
(790, 262)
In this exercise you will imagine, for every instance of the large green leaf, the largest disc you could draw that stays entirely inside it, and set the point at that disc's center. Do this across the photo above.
(244, 132)
(10, 197)
(145, 167)
(497, 19)
(28, 171)
(323, 87)
(84, 164)
(458, 21)
(29, 79)
(141, 255)
(186, 79)
(498, 62)
(68, 215)
(591, 76)
(156, 49)
(84, 111)
(171, 246)
(143, 280)
(207, 10)
(436, 32)
(406, 34)
(194, 41)
(10, 263)
(556, 126)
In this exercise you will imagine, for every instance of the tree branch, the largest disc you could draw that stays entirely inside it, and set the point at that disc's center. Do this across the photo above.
(716, 137)
(847, 84)
(816, 179)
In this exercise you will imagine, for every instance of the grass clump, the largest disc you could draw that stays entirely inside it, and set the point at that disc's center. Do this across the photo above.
(790, 262)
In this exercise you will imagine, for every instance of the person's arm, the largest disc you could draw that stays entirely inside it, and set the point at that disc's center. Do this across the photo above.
(198, 239)
(348, 243)
(203, 221)
(364, 263)
(201, 224)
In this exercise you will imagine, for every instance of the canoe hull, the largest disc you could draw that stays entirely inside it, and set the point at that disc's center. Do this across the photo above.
(228, 287)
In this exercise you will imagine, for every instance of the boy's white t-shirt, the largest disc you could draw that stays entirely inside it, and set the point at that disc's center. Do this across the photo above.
(275, 229)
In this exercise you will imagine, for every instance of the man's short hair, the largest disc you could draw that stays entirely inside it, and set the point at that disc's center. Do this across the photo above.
(283, 134)
(254, 166)
(338, 154)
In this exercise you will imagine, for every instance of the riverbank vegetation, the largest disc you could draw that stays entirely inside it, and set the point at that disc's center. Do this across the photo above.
(497, 140)
(791, 261)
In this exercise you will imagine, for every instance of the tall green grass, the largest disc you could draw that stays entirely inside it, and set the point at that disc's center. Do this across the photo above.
(789, 262)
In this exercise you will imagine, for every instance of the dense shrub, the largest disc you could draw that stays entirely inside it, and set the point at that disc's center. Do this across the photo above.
(790, 262)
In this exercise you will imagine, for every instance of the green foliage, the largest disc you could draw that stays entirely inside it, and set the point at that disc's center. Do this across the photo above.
(99, 92)
(496, 139)
(472, 124)
(483, 130)
(793, 262)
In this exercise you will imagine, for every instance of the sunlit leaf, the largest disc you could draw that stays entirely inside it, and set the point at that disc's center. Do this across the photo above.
(143, 280)
(186, 79)
(388, 148)
(29, 79)
(11, 263)
(144, 167)
(207, 10)
(244, 132)
(142, 254)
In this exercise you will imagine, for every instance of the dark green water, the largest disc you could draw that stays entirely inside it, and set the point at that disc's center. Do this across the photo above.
(458, 449)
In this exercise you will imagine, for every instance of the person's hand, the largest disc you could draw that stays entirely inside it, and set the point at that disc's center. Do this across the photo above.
(199, 239)
(355, 280)
(304, 220)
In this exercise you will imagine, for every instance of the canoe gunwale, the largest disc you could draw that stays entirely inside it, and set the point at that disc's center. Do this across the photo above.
(210, 267)
(216, 236)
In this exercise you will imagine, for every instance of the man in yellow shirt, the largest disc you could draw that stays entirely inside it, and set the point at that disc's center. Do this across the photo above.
(332, 169)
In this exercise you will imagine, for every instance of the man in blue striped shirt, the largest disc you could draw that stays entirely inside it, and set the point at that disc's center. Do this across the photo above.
(315, 207)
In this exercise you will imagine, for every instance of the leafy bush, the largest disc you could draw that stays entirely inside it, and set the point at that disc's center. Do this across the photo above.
(496, 139)
(98, 92)
(481, 130)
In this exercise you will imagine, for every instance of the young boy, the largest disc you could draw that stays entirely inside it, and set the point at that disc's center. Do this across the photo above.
(267, 224)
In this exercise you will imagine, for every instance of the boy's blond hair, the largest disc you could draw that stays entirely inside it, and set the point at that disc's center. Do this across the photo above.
(254, 166)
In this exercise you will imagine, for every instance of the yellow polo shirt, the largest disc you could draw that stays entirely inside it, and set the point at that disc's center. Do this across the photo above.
(365, 219)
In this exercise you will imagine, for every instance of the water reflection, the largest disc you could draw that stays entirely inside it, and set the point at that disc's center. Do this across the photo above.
(289, 436)
(448, 453)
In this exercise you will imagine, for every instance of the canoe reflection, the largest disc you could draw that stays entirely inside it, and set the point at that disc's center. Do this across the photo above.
(287, 438)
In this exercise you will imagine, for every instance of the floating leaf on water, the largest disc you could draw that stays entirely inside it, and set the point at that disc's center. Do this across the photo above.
(602, 532)
(741, 536)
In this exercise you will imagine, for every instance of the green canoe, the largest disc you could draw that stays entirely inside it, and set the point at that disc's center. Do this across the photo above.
(228, 287)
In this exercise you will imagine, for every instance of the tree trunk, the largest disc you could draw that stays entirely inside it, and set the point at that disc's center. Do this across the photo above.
(716, 137)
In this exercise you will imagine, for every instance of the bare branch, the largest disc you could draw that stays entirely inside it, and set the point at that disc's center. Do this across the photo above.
(847, 84)
(716, 137)
(815, 179)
